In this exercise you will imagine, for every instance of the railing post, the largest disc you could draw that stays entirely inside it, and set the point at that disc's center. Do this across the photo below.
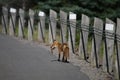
(52, 26)
(31, 25)
(12, 21)
(72, 31)
(109, 45)
(85, 21)
(21, 24)
(41, 27)
(96, 42)
(117, 44)
(63, 26)
(4, 20)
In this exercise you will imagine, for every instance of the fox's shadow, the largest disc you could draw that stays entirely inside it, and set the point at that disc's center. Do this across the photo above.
(59, 61)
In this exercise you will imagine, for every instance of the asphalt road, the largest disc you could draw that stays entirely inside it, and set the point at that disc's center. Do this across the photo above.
(22, 61)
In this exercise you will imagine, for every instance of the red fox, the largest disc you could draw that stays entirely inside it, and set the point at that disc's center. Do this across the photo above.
(62, 48)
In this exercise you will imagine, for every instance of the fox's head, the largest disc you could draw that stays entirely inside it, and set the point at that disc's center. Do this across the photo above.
(55, 44)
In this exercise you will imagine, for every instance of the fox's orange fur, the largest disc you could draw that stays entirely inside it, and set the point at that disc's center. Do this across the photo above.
(62, 48)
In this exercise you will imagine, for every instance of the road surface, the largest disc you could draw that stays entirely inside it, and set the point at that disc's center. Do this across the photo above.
(21, 60)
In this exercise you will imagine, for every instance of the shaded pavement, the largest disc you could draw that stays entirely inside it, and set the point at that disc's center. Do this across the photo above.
(20, 60)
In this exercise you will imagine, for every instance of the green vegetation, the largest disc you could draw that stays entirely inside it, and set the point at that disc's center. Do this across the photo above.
(92, 8)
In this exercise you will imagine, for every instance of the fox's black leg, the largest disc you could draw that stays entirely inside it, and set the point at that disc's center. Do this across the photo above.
(59, 57)
(63, 59)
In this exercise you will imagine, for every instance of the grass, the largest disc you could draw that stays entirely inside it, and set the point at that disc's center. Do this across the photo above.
(25, 33)
(35, 33)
